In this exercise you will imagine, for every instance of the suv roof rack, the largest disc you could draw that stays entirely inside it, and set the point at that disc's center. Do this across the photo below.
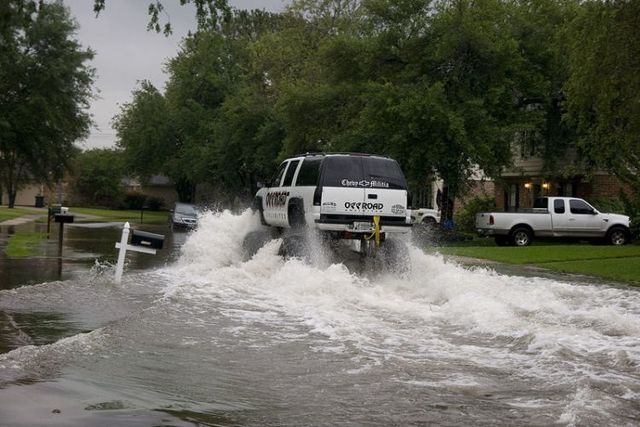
(344, 153)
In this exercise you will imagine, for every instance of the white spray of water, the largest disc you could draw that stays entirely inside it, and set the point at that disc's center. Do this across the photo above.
(553, 330)
(343, 305)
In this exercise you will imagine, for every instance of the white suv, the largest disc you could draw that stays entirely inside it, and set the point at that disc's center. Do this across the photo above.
(343, 196)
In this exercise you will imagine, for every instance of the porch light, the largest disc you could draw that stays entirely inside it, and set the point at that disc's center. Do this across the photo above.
(527, 185)
(545, 185)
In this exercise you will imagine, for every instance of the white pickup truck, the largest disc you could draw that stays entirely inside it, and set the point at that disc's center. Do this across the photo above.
(555, 217)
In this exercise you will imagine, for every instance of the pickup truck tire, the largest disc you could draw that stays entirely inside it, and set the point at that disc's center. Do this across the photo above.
(617, 236)
(521, 236)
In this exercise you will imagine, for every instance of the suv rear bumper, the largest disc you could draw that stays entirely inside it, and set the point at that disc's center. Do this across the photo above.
(346, 222)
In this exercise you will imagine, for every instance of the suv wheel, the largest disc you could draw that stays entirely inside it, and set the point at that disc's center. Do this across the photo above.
(296, 214)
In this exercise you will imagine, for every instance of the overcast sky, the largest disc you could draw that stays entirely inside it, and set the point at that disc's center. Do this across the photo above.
(126, 53)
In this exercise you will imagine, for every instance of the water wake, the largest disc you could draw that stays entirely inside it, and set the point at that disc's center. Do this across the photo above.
(534, 315)
(555, 350)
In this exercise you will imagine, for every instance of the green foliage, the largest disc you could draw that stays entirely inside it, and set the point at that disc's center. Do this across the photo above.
(603, 89)
(444, 87)
(134, 201)
(97, 177)
(208, 13)
(154, 203)
(608, 204)
(632, 208)
(45, 89)
(465, 218)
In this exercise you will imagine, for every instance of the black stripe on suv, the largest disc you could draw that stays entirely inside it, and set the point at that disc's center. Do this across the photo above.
(349, 219)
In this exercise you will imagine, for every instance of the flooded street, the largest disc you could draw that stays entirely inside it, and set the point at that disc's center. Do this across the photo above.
(196, 336)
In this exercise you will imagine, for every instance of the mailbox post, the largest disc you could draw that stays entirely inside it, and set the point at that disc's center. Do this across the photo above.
(62, 218)
(141, 241)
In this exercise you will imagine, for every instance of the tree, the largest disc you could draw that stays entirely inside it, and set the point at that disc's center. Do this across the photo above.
(430, 85)
(98, 177)
(213, 123)
(603, 89)
(45, 88)
(208, 13)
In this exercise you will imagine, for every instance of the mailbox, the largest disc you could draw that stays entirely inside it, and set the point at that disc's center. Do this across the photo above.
(64, 218)
(146, 239)
(55, 210)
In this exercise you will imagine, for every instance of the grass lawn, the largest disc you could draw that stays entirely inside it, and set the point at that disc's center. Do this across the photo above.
(25, 245)
(133, 216)
(6, 213)
(619, 263)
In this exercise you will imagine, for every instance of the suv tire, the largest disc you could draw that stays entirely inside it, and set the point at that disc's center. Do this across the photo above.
(296, 214)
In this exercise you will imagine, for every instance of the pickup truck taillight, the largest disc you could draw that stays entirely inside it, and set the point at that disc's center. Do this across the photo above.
(491, 220)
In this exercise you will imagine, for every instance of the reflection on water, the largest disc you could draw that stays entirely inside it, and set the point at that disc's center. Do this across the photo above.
(83, 246)
(200, 337)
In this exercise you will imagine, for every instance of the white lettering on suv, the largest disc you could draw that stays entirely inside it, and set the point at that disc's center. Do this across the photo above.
(364, 183)
(363, 205)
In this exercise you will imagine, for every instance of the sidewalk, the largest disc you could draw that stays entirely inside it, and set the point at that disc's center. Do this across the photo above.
(43, 212)
(23, 219)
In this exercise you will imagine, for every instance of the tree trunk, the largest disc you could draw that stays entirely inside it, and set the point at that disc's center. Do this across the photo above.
(12, 198)
(186, 190)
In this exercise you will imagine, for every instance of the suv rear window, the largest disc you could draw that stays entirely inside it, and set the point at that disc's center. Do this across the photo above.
(384, 173)
(309, 171)
(362, 172)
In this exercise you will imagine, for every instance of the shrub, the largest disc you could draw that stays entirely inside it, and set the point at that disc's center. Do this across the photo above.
(154, 203)
(465, 218)
(134, 200)
(608, 204)
(632, 208)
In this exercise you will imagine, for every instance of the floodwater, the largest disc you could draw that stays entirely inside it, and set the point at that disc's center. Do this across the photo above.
(200, 337)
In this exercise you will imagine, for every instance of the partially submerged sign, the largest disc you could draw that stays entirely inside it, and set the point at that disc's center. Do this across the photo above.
(141, 241)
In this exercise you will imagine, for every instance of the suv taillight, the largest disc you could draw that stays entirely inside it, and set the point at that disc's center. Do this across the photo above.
(317, 196)
(491, 220)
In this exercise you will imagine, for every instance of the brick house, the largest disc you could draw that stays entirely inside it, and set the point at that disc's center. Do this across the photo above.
(527, 180)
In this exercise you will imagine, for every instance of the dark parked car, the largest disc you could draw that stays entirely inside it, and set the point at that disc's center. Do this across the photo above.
(183, 215)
